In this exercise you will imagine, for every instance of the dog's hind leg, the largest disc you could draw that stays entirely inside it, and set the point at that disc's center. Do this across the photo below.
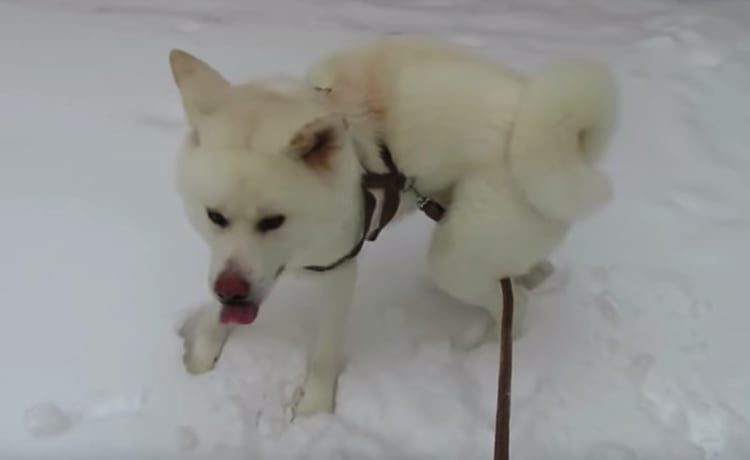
(203, 339)
(489, 233)
(485, 294)
(536, 276)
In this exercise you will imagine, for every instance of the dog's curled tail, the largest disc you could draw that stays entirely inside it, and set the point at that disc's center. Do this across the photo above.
(565, 119)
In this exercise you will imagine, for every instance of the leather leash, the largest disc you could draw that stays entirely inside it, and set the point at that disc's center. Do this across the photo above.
(505, 374)
(393, 183)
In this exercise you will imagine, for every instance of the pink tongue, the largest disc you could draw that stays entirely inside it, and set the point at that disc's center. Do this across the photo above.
(238, 314)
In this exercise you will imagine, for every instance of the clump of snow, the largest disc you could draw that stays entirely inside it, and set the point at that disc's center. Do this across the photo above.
(107, 406)
(611, 451)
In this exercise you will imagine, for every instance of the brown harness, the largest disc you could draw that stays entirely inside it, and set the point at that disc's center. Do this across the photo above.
(393, 183)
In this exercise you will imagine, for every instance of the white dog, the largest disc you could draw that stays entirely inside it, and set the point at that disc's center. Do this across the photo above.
(271, 176)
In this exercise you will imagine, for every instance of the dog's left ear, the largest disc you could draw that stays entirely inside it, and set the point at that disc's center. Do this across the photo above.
(202, 88)
(317, 142)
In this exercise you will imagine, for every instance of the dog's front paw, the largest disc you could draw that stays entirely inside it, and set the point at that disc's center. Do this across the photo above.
(203, 339)
(317, 396)
(199, 359)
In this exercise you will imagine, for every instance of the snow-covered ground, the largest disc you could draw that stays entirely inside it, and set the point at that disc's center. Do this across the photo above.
(637, 348)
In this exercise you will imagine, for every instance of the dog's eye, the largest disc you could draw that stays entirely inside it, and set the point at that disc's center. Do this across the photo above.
(270, 223)
(217, 218)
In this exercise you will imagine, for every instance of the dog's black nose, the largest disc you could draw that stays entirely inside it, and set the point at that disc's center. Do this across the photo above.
(231, 298)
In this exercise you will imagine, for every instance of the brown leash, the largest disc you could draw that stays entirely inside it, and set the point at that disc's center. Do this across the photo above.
(393, 183)
(502, 415)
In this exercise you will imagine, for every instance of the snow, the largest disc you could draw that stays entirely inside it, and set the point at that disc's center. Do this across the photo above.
(635, 349)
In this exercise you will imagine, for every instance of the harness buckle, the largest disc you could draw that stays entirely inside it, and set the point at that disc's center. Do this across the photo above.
(432, 209)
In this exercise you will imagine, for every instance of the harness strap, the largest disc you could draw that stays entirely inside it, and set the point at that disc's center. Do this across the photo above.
(392, 183)
(369, 210)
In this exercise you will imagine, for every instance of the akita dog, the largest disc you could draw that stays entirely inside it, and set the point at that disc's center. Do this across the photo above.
(271, 174)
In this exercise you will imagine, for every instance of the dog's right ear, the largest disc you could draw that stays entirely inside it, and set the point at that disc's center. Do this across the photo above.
(202, 88)
(317, 142)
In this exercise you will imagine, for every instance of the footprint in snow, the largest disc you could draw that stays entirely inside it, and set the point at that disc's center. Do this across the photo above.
(47, 420)
(608, 307)
(187, 439)
(611, 451)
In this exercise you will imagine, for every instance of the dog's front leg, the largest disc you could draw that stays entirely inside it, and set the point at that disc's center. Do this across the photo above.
(204, 337)
(324, 361)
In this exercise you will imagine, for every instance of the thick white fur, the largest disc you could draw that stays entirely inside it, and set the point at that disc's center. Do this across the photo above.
(513, 157)
(573, 104)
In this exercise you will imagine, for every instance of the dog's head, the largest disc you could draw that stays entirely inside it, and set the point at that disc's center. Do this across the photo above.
(266, 174)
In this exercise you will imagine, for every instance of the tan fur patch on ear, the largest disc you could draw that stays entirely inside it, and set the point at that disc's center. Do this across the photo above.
(315, 144)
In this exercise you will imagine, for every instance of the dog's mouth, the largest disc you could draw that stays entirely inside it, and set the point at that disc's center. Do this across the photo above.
(238, 313)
